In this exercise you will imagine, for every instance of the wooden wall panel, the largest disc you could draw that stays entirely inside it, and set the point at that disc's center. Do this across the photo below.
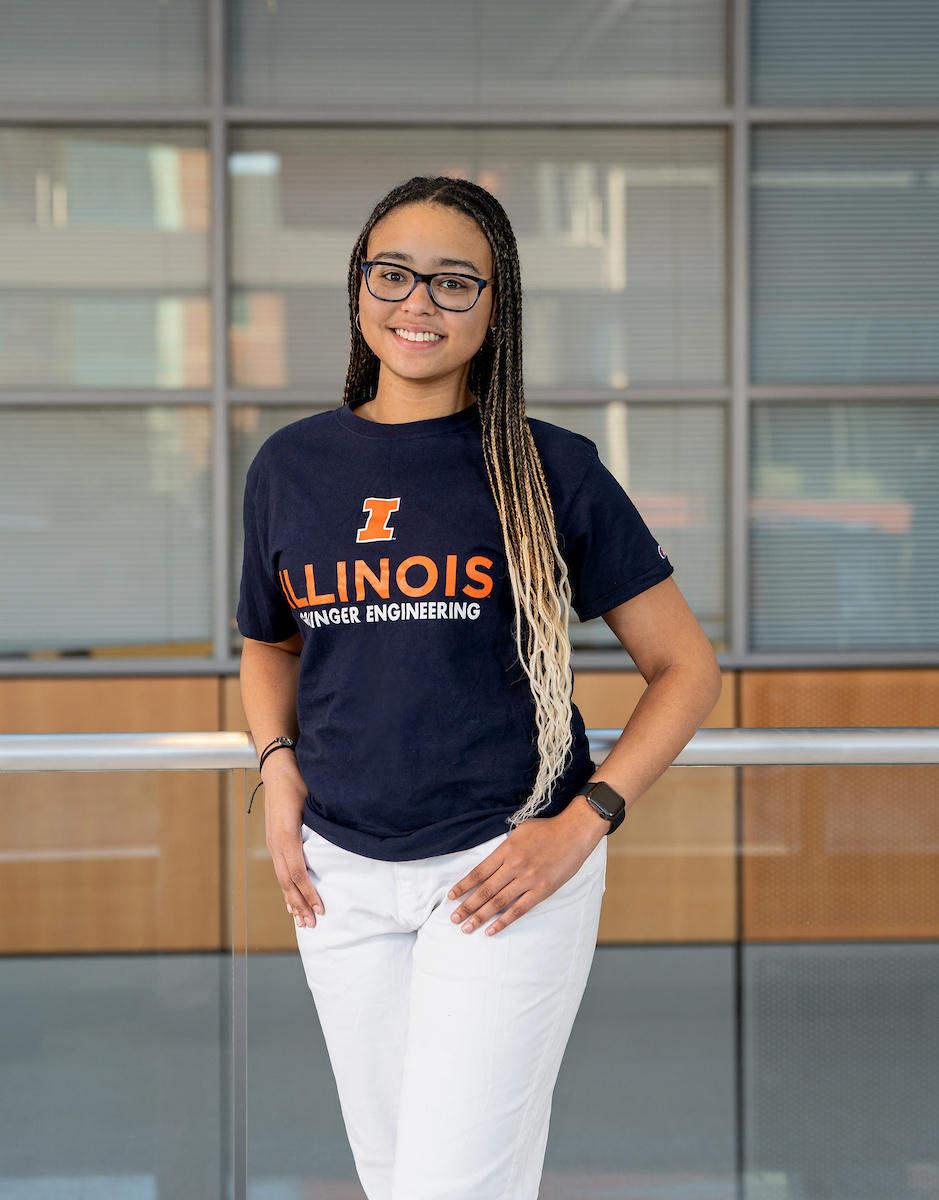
(606, 699)
(112, 861)
(269, 926)
(840, 853)
(838, 699)
(119, 705)
(670, 870)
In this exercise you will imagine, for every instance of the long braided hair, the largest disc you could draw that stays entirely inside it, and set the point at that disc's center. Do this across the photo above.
(537, 572)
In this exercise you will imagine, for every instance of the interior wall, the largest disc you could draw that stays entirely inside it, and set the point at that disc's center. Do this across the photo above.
(137, 861)
(840, 853)
(111, 861)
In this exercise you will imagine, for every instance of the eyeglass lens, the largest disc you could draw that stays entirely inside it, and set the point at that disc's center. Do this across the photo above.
(455, 292)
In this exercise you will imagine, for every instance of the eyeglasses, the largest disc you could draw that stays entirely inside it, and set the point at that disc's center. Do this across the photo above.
(388, 281)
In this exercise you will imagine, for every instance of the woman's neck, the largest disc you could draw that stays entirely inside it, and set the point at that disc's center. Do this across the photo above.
(398, 401)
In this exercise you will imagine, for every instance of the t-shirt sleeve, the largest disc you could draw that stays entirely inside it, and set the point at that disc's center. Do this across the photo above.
(609, 550)
(263, 611)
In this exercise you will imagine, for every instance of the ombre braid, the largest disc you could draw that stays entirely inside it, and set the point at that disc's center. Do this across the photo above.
(537, 572)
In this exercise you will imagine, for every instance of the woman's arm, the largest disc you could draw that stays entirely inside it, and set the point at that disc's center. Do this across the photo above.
(675, 658)
(269, 673)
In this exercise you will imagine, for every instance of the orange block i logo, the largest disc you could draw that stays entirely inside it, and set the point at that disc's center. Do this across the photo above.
(376, 528)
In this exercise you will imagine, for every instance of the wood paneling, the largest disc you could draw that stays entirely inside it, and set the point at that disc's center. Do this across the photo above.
(840, 852)
(111, 861)
(670, 867)
(606, 699)
(838, 699)
(670, 871)
(119, 705)
(269, 927)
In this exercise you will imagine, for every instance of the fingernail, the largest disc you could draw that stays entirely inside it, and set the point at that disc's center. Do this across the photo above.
(318, 910)
(454, 917)
(468, 927)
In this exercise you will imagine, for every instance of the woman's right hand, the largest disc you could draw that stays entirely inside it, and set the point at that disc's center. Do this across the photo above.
(284, 798)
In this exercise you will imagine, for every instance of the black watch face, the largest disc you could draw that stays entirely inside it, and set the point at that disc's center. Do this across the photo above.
(604, 798)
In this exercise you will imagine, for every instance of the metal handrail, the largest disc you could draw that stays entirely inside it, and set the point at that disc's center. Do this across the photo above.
(224, 751)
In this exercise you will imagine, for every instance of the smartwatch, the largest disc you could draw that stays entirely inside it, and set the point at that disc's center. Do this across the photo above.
(609, 804)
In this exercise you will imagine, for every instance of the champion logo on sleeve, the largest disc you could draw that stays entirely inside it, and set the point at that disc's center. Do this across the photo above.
(376, 528)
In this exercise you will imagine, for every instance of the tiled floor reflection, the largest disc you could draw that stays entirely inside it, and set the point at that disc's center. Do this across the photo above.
(842, 1080)
(111, 1077)
(113, 1072)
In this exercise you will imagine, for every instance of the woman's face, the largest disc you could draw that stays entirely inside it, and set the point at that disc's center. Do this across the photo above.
(426, 237)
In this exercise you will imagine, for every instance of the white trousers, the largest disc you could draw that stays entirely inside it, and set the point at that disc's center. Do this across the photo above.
(445, 1045)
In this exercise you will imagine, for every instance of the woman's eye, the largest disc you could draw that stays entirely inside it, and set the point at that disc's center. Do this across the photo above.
(452, 285)
(392, 276)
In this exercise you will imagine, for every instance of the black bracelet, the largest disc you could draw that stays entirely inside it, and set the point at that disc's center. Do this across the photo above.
(281, 743)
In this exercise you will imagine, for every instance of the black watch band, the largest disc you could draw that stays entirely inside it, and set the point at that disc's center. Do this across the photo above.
(607, 802)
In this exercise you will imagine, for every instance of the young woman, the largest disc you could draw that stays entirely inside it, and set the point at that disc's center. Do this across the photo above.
(438, 830)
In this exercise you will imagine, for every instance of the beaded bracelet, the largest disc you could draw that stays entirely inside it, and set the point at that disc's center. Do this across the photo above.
(281, 743)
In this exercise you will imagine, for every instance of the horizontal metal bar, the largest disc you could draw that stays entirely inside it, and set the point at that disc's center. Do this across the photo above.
(225, 751)
(611, 659)
(71, 666)
(844, 393)
(616, 659)
(844, 114)
(315, 397)
(126, 751)
(113, 398)
(119, 115)
(480, 117)
(794, 747)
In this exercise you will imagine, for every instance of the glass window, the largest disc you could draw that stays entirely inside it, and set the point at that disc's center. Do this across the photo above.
(845, 51)
(104, 265)
(844, 515)
(483, 54)
(669, 457)
(621, 237)
(132, 53)
(104, 531)
(845, 266)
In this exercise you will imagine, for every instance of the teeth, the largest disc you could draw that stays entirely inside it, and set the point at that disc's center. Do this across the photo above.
(418, 337)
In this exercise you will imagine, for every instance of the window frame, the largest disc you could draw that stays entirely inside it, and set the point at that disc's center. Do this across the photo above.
(737, 118)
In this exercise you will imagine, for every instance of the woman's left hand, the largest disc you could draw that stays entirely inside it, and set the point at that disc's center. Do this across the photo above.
(537, 858)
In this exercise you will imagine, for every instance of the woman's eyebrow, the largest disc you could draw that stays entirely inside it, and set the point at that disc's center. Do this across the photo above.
(400, 256)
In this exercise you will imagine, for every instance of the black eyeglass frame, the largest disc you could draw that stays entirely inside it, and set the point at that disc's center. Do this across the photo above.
(481, 284)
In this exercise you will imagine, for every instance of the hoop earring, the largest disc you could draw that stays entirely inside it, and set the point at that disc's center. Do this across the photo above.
(357, 325)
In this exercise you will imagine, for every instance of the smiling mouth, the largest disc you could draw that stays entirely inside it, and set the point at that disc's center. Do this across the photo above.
(408, 335)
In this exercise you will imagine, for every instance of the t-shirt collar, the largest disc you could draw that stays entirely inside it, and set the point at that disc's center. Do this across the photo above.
(432, 427)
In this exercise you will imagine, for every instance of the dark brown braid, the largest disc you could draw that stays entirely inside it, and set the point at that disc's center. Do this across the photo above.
(537, 571)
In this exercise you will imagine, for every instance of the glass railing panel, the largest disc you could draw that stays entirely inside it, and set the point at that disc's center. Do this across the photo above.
(842, 1062)
(799, 1064)
(840, 1042)
(288, 1071)
(114, 987)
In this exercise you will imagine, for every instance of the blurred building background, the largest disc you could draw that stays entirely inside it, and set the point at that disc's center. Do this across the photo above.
(728, 219)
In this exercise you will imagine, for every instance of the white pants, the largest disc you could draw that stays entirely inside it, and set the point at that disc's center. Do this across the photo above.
(445, 1045)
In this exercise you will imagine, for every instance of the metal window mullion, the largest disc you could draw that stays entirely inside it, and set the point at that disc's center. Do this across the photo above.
(219, 287)
(738, 563)
(471, 118)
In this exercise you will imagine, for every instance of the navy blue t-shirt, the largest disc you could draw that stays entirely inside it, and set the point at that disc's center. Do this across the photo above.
(381, 544)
